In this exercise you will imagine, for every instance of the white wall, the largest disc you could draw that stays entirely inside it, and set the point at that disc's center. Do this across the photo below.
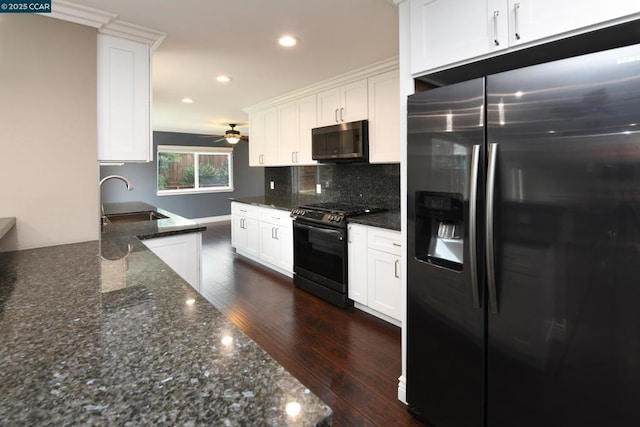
(48, 167)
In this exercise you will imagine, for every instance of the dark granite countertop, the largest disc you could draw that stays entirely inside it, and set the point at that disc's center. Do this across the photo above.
(6, 224)
(173, 224)
(285, 203)
(386, 219)
(92, 340)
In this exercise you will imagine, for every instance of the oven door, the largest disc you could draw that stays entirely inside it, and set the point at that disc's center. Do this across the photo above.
(320, 254)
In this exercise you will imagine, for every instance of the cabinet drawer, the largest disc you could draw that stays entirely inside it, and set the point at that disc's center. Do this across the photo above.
(384, 240)
(245, 209)
(275, 216)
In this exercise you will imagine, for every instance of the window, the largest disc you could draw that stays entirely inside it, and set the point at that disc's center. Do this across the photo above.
(188, 170)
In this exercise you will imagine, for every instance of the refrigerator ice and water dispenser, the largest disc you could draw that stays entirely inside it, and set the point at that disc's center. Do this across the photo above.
(439, 229)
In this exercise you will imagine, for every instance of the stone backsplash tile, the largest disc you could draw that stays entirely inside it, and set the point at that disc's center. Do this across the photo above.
(376, 185)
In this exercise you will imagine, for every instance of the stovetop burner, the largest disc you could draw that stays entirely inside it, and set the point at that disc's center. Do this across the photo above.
(340, 208)
(332, 213)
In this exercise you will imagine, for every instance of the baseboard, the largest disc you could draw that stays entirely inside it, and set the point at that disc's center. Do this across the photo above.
(402, 389)
(376, 313)
(212, 219)
(266, 264)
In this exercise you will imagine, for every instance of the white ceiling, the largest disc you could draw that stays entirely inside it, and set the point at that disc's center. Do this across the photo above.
(238, 38)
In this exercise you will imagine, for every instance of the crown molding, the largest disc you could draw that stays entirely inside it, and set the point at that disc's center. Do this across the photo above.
(104, 22)
(77, 14)
(127, 30)
(343, 79)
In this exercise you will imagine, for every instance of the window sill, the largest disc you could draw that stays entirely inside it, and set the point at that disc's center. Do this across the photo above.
(194, 191)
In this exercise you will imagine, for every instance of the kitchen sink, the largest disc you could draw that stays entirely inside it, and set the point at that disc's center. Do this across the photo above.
(125, 218)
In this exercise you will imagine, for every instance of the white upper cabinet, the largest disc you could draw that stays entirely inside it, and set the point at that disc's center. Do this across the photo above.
(446, 31)
(450, 32)
(280, 129)
(531, 20)
(295, 121)
(124, 100)
(344, 104)
(384, 118)
(307, 120)
(289, 132)
(263, 136)
(256, 138)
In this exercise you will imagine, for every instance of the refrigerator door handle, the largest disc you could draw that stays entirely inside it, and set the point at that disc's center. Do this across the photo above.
(491, 271)
(473, 231)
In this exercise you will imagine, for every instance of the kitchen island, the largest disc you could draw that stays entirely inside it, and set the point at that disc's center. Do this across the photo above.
(78, 350)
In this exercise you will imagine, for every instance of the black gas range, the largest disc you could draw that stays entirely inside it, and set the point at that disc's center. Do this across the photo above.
(320, 248)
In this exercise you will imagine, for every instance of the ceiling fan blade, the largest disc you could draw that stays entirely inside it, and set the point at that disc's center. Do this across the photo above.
(220, 139)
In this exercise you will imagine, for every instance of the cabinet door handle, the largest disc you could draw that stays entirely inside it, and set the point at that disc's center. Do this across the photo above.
(342, 114)
(293, 157)
(496, 13)
(397, 245)
(516, 13)
(396, 272)
(336, 116)
(297, 157)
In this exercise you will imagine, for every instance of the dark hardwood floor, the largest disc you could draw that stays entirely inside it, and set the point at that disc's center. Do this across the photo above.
(350, 359)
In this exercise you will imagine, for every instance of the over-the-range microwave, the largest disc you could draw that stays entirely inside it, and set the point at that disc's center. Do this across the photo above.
(341, 142)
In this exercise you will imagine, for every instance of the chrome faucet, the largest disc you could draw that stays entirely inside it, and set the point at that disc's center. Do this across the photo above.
(129, 184)
(120, 177)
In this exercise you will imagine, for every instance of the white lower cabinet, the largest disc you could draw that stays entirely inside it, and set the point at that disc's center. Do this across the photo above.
(357, 268)
(276, 238)
(374, 271)
(264, 235)
(181, 252)
(245, 228)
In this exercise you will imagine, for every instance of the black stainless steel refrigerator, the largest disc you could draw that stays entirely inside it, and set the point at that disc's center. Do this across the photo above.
(523, 301)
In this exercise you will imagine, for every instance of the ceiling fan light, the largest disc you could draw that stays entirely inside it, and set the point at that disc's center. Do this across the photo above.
(232, 135)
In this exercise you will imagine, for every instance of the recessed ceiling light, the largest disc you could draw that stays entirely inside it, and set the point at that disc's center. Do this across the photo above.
(187, 100)
(287, 41)
(223, 79)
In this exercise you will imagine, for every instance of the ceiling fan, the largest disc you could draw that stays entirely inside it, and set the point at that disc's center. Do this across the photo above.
(232, 136)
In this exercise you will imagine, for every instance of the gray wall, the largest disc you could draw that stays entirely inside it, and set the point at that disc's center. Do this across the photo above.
(248, 181)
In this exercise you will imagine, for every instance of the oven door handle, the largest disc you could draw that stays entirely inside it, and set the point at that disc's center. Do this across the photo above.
(320, 229)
